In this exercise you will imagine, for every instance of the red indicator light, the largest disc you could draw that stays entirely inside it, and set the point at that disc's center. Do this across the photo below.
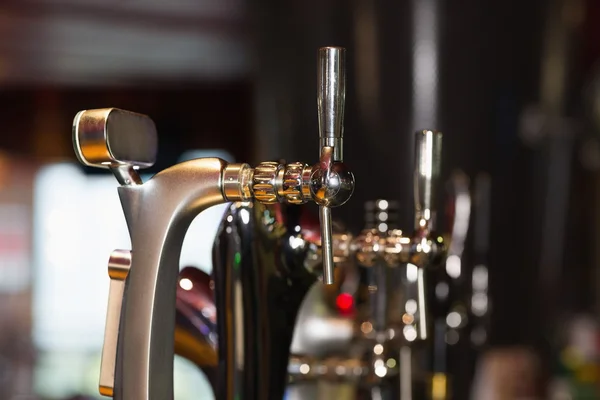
(345, 302)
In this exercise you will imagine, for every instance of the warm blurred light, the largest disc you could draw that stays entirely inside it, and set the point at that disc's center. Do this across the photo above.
(366, 327)
(479, 304)
(304, 369)
(438, 387)
(245, 215)
(186, 284)
(410, 333)
(453, 266)
(453, 319)
(345, 302)
(296, 242)
(412, 272)
(381, 371)
(411, 306)
(480, 278)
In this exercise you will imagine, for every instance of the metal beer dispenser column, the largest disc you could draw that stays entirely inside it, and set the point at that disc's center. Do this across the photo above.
(137, 362)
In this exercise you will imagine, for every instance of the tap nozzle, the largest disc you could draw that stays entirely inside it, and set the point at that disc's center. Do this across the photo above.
(332, 183)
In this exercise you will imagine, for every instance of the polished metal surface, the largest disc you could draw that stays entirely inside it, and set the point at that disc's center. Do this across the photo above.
(158, 214)
(261, 271)
(118, 269)
(391, 299)
(331, 98)
(428, 153)
(332, 183)
(264, 182)
(423, 249)
(109, 138)
(447, 308)
(320, 330)
(261, 247)
(328, 265)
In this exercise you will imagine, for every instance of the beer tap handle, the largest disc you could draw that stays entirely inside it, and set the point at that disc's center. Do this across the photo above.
(428, 152)
(331, 97)
(428, 146)
(115, 139)
(332, 183)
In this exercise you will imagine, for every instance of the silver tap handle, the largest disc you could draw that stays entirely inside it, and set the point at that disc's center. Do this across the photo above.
(115, 139)
(331, 97)
(428, 154)
(332, 183)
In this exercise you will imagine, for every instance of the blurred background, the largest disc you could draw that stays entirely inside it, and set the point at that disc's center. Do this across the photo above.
(514, 85)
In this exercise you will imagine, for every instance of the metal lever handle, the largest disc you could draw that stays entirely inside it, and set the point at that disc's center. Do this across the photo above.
(331, 97)
(428, 154)
(118, 269)
(115, 139)
(332, 183)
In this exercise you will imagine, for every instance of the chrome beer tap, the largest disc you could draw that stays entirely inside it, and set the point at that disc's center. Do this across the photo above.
(424, 248)
(392, 309)
(382, 251)
(448, 310)
(140, 331)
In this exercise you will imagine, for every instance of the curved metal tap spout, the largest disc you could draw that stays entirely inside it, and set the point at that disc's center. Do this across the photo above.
(158, 214)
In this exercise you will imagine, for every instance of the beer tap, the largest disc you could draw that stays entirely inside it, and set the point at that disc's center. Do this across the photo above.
(396, 312)
(140, 336)
(430, 249)
(424, 248)
(448, 310)
(381, 251)
(331, 177)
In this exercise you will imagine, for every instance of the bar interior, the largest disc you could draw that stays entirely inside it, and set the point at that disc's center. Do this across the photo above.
(300, 200)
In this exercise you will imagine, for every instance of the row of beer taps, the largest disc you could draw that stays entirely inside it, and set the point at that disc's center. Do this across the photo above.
(291, 299)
